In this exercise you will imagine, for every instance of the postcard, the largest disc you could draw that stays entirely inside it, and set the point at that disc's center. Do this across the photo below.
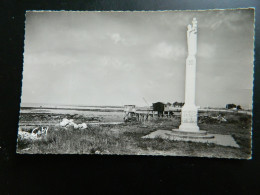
(170, 83)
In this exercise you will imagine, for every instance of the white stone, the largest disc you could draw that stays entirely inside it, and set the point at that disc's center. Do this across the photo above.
(64, 122)
(75, 126)
(82, 126)
(189, 113)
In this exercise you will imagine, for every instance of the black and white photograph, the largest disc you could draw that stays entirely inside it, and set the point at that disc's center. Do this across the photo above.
(167, 83)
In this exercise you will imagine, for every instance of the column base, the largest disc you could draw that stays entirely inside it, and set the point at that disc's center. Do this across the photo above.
(189, 116)
(190, 127)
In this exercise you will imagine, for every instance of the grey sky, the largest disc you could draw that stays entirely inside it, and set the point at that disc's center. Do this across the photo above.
(117, 58)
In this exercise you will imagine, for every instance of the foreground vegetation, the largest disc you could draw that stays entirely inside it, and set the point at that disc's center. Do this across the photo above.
(126, 139)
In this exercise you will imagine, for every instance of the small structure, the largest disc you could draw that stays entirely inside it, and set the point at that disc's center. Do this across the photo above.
(168, 110)
(130, 113)
(231, 106)
(162, 108)
(239, 107)
(159, 107)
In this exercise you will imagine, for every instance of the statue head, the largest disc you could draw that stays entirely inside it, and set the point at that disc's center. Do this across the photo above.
(194, 21)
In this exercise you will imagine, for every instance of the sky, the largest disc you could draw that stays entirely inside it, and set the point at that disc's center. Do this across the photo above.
(118, 58)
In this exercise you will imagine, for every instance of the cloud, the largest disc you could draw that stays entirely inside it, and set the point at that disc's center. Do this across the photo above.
(116, 38)
(123, 40)
(206, 50)
(114, 64)
(167, 51)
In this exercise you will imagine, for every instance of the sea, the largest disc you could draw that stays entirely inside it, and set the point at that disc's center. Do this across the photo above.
(107, 113)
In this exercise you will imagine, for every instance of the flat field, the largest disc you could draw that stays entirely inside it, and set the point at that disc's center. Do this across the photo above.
(125, 138)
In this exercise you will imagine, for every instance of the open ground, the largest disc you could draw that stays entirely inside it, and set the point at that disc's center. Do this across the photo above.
(126, 138)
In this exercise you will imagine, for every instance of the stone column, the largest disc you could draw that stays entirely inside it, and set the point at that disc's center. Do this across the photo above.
(189, 112)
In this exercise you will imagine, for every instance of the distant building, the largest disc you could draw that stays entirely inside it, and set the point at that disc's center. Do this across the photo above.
(178, 104)
(159, 107)
(163, 108)
(239, 107)
(231, 106)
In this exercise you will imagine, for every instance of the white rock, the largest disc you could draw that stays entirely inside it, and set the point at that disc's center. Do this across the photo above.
(64, 122)
(28, 136)
(83, 126)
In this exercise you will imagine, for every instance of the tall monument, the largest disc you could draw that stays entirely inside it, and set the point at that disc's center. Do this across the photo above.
(189, 113)
(188, 130)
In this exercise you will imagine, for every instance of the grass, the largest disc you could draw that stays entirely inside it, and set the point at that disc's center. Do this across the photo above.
(126, 139)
